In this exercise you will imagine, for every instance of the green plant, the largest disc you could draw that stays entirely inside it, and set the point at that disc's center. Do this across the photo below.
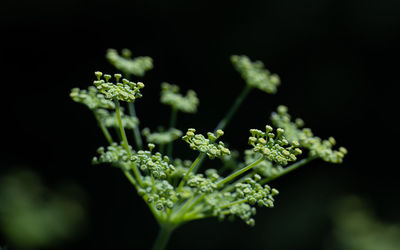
(178, 191)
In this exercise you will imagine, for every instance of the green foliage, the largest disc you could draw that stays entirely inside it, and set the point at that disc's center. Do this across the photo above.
(34, 216)
(177, 190)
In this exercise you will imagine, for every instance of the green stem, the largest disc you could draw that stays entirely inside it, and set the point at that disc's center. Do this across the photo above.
(232, 186)
(162, 238)
(103, 128)
(172, 123)
(125, 140)
(136, 132)
(222, 124)
(121, 128)
(237, 173)
(188, 172)
(234, 203)
(288, 169)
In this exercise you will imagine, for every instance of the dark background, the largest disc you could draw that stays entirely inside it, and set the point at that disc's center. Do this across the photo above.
(338, 61)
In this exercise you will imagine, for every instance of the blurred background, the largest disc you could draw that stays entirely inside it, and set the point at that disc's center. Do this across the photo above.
(338, 62)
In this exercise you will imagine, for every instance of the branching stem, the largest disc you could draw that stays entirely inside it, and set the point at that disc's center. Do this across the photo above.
(288, 169)
(188, 172)
(239, 172)
(125, 141)
(136, 132)
(103, 128)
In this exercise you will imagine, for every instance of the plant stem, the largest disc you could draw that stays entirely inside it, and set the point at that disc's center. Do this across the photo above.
(188, 172)
(172, 124)
(288, 169)
(222, 124)
(162, 238)
(241, 171)
(125, 140)
(136, 132)
(103, 128)
(232, 186)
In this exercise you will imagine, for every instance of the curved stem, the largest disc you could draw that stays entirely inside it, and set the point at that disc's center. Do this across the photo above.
(288, 169)
(125, 141)
(103, 128)
(188, 172)
(136, 132)
(237, 173)
(162, 238)
(222, 124)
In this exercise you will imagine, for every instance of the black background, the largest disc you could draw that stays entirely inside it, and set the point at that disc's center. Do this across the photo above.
(338, 61)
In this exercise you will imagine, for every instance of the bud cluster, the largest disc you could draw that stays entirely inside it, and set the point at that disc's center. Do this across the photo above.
(136, 66)
(294, 131)
(123, 91)
(91, 98)
(170, 96)
(158, 165)
(115, 155)
(255, 193)
(158, 192)
(162, 137)
(255, 74)
(207, 146)
(274, 147)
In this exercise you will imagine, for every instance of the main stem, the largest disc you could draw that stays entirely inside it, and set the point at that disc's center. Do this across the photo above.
(162, 238)
(172, 123)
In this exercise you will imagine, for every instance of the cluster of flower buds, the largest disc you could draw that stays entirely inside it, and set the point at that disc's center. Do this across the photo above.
(136, 66)
(158, 165)
(162, 137)
(294, 131)
(170, 96)
(207, 146)
(123, 91)
(115, 155)
(91, 98)
(110, 120)
(201, 184)
(255, 193)
(274, 147)
(255, 74)
(158, 192)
